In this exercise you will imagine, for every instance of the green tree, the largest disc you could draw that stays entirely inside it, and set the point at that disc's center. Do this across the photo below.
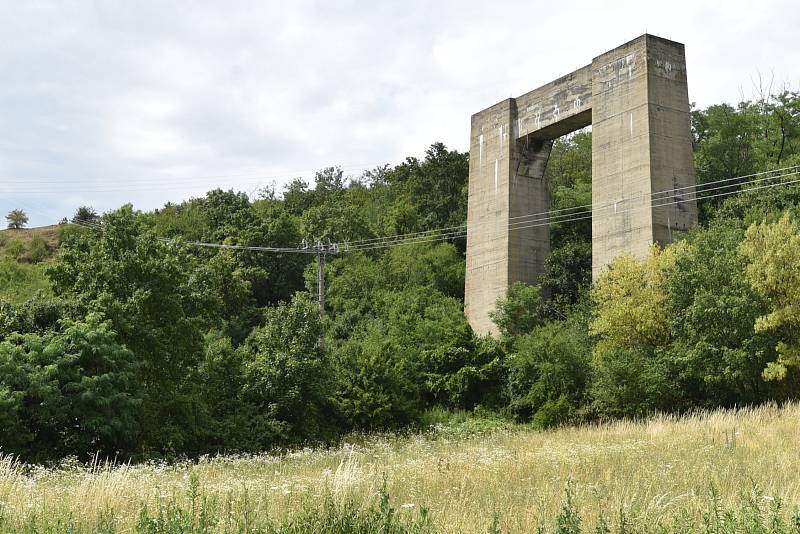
(221, 375)
(631, 374)
(435, 186)
(14, 249)
(288, 375)
(377, 386)
(147, 289)
(520, 310)
(567, 275)
(630, 299)
(773, 252)
(85, 215)
(69, 392)
(550, 372)
(717, 355)
(230, 218)
(466, 375)
(17, 219)
(569, 170)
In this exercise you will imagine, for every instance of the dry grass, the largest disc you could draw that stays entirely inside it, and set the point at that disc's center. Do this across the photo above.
(48, 233)
(657, 473)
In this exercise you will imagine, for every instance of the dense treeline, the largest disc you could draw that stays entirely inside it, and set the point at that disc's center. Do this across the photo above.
(144, 346)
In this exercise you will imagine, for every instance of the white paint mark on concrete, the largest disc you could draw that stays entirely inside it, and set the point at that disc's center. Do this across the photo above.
(500, 135)
(480, 149)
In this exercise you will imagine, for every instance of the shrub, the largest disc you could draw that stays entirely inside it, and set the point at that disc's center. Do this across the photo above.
(550, 372)
(68, 392)
(520, 310)
(15, 248)
(38, 249)
(377, 386)
(287, 374)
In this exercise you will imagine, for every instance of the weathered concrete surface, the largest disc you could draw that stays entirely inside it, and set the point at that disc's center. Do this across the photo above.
(635, 97)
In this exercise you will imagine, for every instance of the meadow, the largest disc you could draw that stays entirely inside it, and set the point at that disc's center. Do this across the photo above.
(720, 471)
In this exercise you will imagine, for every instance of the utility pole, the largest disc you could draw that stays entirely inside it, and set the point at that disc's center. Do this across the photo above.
(321, 277)
(322, 249)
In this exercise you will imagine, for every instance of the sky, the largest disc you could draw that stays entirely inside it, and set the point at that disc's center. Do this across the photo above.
(105, 103)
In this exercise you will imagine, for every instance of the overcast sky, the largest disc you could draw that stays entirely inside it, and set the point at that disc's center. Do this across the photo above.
(103, 103)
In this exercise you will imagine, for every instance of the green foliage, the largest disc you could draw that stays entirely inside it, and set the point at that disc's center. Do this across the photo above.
(70, 232)
(328, 514)
(14, 248)
(463, 424)
(567, 276)
(436, 187)
(750, 137)
(68, 392)
(39, 314)
(287, 374)
(632, 328)
(718, 354)
(466, 375)
(550, 372)
(20, 281)
(773, 251)
(378, 387)
(38, 249)
(142, 285)
(382, 366)
(355, 278)
(679, 331)
(630, 299)
(85, 215)
(570, 172)
(17, 219)
(520, 311)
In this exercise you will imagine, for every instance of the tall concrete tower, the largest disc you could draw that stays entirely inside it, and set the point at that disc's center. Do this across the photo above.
(636, 99)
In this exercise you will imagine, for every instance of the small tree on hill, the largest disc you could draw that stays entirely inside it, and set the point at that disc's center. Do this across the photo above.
(17, 219)
(84, 215)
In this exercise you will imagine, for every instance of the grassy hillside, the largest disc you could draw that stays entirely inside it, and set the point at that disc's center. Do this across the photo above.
(26, 237)
(24, 254)
(21, 281)
(723, 471)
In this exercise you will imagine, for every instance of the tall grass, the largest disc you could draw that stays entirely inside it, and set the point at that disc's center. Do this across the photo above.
(21, 281)
(722, 471)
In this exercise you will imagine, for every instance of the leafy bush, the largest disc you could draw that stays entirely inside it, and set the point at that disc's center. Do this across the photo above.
(466, 375)
(520, 310)
(15, 248)
(20, 281)
(550, 372)
(68, 392)
(378, 386)
(38, 249)
(288, 375)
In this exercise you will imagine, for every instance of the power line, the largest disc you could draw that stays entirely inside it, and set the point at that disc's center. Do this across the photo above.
(692, 189)
(523, 221)
(516, 226)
